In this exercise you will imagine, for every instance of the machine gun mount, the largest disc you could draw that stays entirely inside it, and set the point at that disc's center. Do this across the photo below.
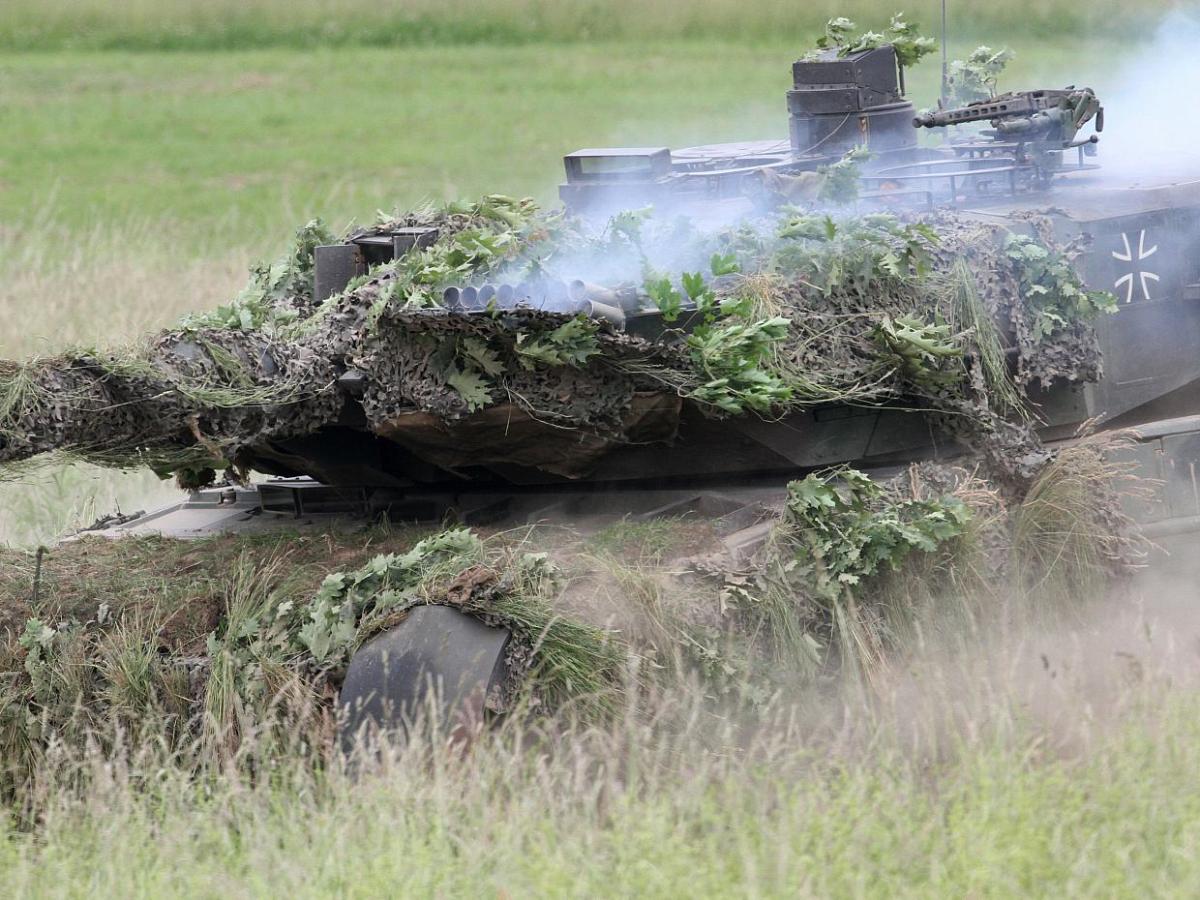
(1034, 127)
(1044, 115)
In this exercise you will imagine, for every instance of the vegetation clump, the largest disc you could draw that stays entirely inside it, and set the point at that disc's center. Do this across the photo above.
(1052, 323)
(563, 661)
(265, 645)
(976, 77)
(904, 36)
(819, 584)
(243, 643)
(856, 569)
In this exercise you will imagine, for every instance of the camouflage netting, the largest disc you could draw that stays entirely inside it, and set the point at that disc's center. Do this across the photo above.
(158, 404)
(785, 312)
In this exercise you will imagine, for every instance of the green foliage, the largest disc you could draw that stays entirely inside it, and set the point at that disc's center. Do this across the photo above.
(821, 313)
(488, 234)
(843, 528)
(272, 648)
(838, 34)
(663, 294)
(571, 344)
(472, 386)
(738, 306)
(840, 181)
(730, 358)
(511, 211)
(627, 225)
(479, 355)
(38, 641)
(327, 627)
(724, 264)
(976, 77)
(926, 354)
(863, 254)
(264, 302)
(731, 350)
(669, 299)
(454, 259)
(1051, 288)
(494, 235)
(909, 43)
(694, 285)
(819, 589)
(477, 365)
(571, 661)
(248, 312)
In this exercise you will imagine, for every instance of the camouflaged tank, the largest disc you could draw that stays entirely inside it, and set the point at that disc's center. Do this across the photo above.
(625, 428)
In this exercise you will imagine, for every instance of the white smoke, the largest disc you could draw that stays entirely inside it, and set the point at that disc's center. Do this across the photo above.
(1152, 127)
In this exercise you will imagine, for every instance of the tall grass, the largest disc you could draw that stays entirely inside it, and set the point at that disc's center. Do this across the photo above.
(1007, 752)
(63, 285)
(229, 24)
(1066, 535)
(1037, 763)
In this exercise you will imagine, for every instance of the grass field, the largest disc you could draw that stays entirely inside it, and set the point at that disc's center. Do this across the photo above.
(1053, 763)
(229, 24)
(152, 149)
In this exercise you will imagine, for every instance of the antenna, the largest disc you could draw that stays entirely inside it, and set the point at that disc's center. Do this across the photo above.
(945, 65)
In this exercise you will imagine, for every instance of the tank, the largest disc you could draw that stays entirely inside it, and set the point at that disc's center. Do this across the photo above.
(1034, 166)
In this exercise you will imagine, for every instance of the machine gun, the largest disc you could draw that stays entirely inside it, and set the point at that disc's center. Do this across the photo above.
(1045, 116)
(1030, 130)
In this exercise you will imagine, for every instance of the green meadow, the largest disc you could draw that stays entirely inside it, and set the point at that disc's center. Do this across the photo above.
(305, 24)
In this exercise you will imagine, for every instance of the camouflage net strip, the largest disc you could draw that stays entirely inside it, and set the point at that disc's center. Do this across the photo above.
(785, 312)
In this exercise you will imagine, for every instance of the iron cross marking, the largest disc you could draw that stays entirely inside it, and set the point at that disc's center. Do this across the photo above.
(1144, 276)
